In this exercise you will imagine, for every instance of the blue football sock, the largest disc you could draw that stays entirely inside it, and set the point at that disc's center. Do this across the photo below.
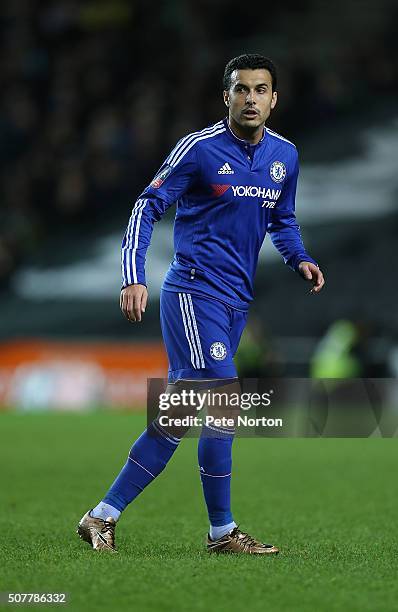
(147, 458)
(215, 464)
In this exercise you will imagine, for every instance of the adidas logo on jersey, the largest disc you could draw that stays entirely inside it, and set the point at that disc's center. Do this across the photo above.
(226, 169)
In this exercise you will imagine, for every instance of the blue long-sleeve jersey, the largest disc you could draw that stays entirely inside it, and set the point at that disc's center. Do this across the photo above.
(229, 194)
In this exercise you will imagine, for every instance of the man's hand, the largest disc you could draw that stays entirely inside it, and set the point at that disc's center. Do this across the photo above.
(312, 273)
(133, 300)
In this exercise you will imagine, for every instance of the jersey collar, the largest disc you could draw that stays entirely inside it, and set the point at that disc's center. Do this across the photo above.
(241, 141)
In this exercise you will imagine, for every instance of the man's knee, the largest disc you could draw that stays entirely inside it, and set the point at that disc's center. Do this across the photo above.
(187, 399)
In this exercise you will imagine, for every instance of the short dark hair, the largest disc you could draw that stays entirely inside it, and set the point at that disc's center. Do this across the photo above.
(252, 61)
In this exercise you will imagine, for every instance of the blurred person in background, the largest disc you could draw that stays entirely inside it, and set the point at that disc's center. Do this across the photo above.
(256, 356)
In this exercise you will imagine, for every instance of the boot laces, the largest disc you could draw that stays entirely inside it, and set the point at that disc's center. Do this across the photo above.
(243, 538)
(109, 529)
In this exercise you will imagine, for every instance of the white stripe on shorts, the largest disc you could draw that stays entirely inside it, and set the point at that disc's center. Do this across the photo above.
(191, 331)
(202, 361)
(186, 331)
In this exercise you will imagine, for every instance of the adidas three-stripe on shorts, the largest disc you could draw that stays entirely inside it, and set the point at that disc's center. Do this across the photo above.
(201, 335)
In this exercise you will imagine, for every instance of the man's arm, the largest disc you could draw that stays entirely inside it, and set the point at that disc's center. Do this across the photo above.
(285, 233)
(169, 184)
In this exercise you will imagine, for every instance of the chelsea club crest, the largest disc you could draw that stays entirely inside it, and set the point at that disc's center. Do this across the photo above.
(278, 171)
(218, 351)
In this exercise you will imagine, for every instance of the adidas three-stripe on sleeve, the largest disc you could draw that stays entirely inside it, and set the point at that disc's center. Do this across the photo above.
(150, 207)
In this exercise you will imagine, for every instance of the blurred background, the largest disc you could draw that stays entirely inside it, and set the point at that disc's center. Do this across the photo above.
(93, 97)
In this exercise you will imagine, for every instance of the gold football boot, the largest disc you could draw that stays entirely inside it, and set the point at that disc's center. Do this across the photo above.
(236, 541)
(99, 533)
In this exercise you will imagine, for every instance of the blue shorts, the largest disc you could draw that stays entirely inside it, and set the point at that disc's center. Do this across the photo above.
(201, 336)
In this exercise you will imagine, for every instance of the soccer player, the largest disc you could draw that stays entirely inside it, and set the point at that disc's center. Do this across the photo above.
(233, 182)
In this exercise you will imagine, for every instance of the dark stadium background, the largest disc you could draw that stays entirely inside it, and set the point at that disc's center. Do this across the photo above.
(95, 94)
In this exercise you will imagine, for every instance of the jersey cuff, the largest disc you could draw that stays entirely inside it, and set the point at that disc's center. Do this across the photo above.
(301, 258)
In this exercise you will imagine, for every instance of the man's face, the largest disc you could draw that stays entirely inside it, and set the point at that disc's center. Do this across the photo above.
(250, 98)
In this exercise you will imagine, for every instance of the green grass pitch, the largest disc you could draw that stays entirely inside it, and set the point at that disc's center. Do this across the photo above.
(330, 505)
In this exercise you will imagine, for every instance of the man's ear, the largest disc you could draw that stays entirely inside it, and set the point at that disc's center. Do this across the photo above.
(274, 100)
(226, 98)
